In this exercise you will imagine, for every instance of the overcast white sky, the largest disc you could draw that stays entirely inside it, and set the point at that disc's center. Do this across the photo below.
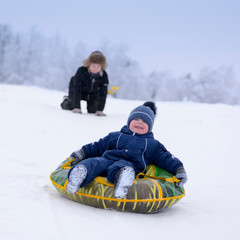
(176, 35)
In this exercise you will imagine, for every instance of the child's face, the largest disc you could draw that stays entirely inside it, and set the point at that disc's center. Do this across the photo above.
(138, 126)
(95, 68)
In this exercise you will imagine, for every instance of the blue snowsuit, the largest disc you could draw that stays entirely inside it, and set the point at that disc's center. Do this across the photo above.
(125, 148)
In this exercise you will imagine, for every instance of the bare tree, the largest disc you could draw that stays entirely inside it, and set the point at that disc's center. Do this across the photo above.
(5, 42)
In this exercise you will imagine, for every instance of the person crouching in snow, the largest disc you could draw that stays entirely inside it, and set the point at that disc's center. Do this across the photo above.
(122, 155)
(90, 84)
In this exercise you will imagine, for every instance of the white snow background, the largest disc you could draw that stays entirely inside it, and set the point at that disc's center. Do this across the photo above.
(36, 135)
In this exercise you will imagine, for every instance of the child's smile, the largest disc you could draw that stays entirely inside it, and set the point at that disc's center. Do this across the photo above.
(138, 126)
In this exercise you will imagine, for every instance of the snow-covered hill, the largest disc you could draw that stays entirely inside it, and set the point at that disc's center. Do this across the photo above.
(36, 135)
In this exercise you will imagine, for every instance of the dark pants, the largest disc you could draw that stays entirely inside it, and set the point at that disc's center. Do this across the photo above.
(103, 167)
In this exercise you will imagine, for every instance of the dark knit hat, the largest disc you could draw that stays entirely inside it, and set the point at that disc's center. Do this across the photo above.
(146, 112)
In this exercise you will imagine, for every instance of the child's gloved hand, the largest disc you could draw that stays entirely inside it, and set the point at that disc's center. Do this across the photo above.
(181, 175)
(78, 155)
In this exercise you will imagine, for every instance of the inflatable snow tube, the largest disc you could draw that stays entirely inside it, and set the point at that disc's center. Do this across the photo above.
(150, 192)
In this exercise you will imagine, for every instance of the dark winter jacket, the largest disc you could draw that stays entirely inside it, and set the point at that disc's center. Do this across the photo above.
(141, 150)
(85, 86)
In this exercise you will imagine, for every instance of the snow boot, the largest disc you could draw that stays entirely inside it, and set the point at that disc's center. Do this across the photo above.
(66, 103)
(123, 181)
(65, 98)
(76, 178)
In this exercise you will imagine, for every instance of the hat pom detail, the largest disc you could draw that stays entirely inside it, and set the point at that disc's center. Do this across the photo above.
(152, 106)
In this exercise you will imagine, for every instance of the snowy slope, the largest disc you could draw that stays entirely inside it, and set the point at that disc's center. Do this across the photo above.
(36, 135)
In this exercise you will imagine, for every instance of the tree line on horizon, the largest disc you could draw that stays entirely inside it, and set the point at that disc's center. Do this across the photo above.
(33, 59)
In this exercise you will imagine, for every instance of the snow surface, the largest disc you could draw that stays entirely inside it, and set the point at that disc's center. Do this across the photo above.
(36, 136)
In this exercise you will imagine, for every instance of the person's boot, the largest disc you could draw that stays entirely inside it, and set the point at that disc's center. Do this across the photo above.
(65, 98)
(76, 178)
(66, 103)
(123, 180)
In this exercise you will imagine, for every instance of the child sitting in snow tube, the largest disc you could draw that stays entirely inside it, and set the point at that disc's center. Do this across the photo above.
(150, 193)
(122, 155)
